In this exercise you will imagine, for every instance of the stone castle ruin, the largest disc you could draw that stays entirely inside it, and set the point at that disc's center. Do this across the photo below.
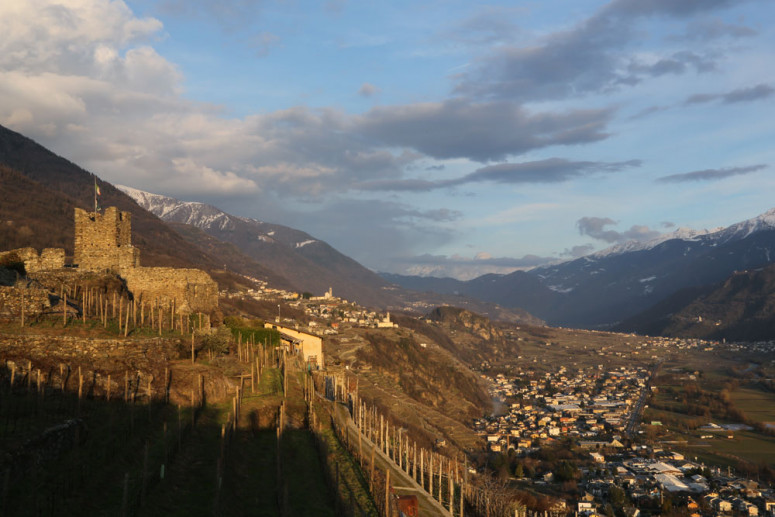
(48, 260)
(103, 244)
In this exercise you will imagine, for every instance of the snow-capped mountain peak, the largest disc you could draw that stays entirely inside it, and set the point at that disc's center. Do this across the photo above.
(168, 208)
(720, 235)
(682, 233)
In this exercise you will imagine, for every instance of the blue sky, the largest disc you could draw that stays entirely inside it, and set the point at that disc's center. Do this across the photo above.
(445, 138)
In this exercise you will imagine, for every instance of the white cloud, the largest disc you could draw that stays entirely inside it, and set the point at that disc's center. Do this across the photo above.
(224, 181)
(62, 36)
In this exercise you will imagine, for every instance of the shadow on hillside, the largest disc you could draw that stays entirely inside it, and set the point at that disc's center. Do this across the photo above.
(63, 454)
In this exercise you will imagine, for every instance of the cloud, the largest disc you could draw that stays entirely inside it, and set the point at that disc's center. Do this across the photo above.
(466, 268)
(551, 170)
(368, 90)
(750, 94)
(714, 28)
(479, 258)
(645, 112)
(566, 63)
(632, 8)
(711, 174)
(760, 91)
(98, 74)
(593, 56)
(227, 181)
(700, 98)
(73, 39)
(595, 227)
(125, 99)
(490, 25)
(459, 128)
(578, 251)
(677, 63)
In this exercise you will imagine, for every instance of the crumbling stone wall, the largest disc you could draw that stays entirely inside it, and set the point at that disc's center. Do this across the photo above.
(36, 301)
(192, 289)
(49, 259)
(103, 241)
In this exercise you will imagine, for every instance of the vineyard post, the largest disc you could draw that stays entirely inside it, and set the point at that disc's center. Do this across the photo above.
(387, 493)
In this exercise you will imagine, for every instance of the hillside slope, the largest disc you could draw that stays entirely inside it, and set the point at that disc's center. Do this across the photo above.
(308, 263)
(741, 308)
(41, 190)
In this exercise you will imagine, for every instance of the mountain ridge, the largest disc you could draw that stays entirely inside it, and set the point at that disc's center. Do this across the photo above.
(306, 262)
(604, 288)
(740, 308)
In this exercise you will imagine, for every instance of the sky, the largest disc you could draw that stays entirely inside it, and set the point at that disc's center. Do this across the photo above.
(445, 138)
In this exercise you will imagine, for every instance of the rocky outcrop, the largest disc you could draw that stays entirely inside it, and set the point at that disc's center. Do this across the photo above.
(471, 322)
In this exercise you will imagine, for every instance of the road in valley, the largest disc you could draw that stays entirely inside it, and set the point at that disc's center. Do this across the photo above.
(637, 410)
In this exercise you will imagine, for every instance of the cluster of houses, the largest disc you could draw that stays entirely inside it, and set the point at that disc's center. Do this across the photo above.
(338, 313)
(330, 313)
(594, 406)
(261, 291)
(646, 474)
(584, 404)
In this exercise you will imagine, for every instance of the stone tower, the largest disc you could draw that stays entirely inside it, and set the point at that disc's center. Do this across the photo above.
(104, 241)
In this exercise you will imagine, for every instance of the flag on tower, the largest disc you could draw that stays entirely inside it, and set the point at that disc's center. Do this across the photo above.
(96, 193)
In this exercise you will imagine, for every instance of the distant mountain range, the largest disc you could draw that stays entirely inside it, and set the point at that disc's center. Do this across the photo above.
(293, 259)
(296, 258)
(708, 284)
(617, 284)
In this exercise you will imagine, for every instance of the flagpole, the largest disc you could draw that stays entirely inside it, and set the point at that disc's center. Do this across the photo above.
(95, 194)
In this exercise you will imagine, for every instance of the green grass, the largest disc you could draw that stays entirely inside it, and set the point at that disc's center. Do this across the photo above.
(352, 481)
(758, 405)
(746, 445)
(305, 489)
